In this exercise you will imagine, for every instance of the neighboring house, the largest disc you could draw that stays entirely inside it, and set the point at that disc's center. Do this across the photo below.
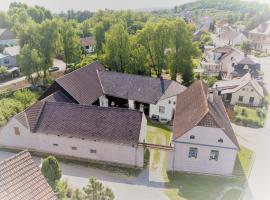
(88, 43)
(260, 37)
(203, 138)
(7, 37)
(220, 60)
(113, 135)
(244, 66)
(12, 53)
(93, 85)
(243, 91)
(230, 36)
(204, 23)
(4, 60)
(21, 179)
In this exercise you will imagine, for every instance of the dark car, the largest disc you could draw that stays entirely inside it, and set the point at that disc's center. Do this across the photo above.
(53, 69)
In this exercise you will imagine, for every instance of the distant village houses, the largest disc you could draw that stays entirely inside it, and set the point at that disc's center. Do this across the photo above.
(7, 37)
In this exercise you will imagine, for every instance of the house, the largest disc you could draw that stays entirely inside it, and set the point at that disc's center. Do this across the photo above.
(220, 60)
(203, 138)
(4, 60)
(93, 85)
(204, 23)
(88, 44)
(260, 37)
(113, 135)
(244, 66)
(7, 37)
(230, 36)
(12, 54)
(21, 179)
(243, 91)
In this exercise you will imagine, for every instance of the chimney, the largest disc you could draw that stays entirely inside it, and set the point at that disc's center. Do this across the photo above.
(162, 84)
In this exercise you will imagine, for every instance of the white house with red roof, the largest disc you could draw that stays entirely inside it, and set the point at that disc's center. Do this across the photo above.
(203, 138)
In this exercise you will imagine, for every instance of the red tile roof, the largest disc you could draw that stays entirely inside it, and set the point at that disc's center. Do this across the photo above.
(192, 108)
(21, 179)
(88, 41)
(113, 125)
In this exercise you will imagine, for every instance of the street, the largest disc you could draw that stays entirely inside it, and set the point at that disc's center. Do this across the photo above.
(258, 140)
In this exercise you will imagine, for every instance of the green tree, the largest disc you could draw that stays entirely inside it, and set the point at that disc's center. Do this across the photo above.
(71, 43)
(61, 189)
(26, 97)
(155, 37)
(182, 52)
(99, 32)
(246, 46)
(51, 170)
(117, 48)
(49, 39)
(30, 64)
(3, 70)
(96, 191)
(77, 195)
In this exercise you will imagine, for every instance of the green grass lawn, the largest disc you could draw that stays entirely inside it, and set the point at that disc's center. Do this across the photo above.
(188, 186)
(251, 117)
(156, 131)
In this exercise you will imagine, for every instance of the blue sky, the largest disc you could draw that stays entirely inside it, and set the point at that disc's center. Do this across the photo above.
(93, 5)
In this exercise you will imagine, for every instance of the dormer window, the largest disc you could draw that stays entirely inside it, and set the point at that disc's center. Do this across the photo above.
(192, 137)
(220, 140)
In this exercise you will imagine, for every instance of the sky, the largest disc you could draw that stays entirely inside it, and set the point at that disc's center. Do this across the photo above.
(93, 5)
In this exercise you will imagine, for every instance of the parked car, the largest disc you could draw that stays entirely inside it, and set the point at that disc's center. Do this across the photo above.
(53, 69)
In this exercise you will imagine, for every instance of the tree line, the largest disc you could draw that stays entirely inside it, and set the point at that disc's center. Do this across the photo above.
(126, 41)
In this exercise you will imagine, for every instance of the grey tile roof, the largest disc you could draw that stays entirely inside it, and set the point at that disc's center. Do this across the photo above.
(192, 108)
(139, 88)
(12, 51)
(113, 125)
(83, 84)
(87, 84)
(58, 96)
(6, 34)
(21, 179)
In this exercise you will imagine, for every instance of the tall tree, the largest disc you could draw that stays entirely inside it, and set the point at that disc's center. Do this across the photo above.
(51, 170)
(71, 43)
(99, 32)
(117, 48)
(96, 191)
(183, 50)
(155, 37)
(30, 63)
(49, 37)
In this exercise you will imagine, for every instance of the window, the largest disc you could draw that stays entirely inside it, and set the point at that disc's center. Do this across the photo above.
(251, 90)
(161, 109)
(16, 130)
(220, 140)
(193, 152)
(74, 148)
(240, 98)
(93, 151)
(6, 61)
(192, 137)
(243, 89)
(251, 100)
(169, 101)
(55, 145)
(214, 155)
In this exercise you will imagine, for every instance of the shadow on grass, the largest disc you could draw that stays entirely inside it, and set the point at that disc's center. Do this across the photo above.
(190, 186)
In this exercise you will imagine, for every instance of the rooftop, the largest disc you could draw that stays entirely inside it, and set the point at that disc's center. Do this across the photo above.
(119, 125)
(21, 179)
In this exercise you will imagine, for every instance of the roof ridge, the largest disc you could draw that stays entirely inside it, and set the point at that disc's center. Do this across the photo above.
(39, 114)
(97, 71)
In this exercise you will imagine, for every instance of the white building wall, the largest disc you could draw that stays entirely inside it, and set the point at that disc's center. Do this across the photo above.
(247, 92)
(131, 104)
(169, 105)
(108, 152)
(103, 101)
(206, 139)
(226, 63)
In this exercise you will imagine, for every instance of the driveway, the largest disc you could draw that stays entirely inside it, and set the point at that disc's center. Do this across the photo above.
(123, 187)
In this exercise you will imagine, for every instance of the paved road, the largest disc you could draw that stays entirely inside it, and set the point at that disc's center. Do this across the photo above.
(123, 187)
(15, 83)
(258, 140)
